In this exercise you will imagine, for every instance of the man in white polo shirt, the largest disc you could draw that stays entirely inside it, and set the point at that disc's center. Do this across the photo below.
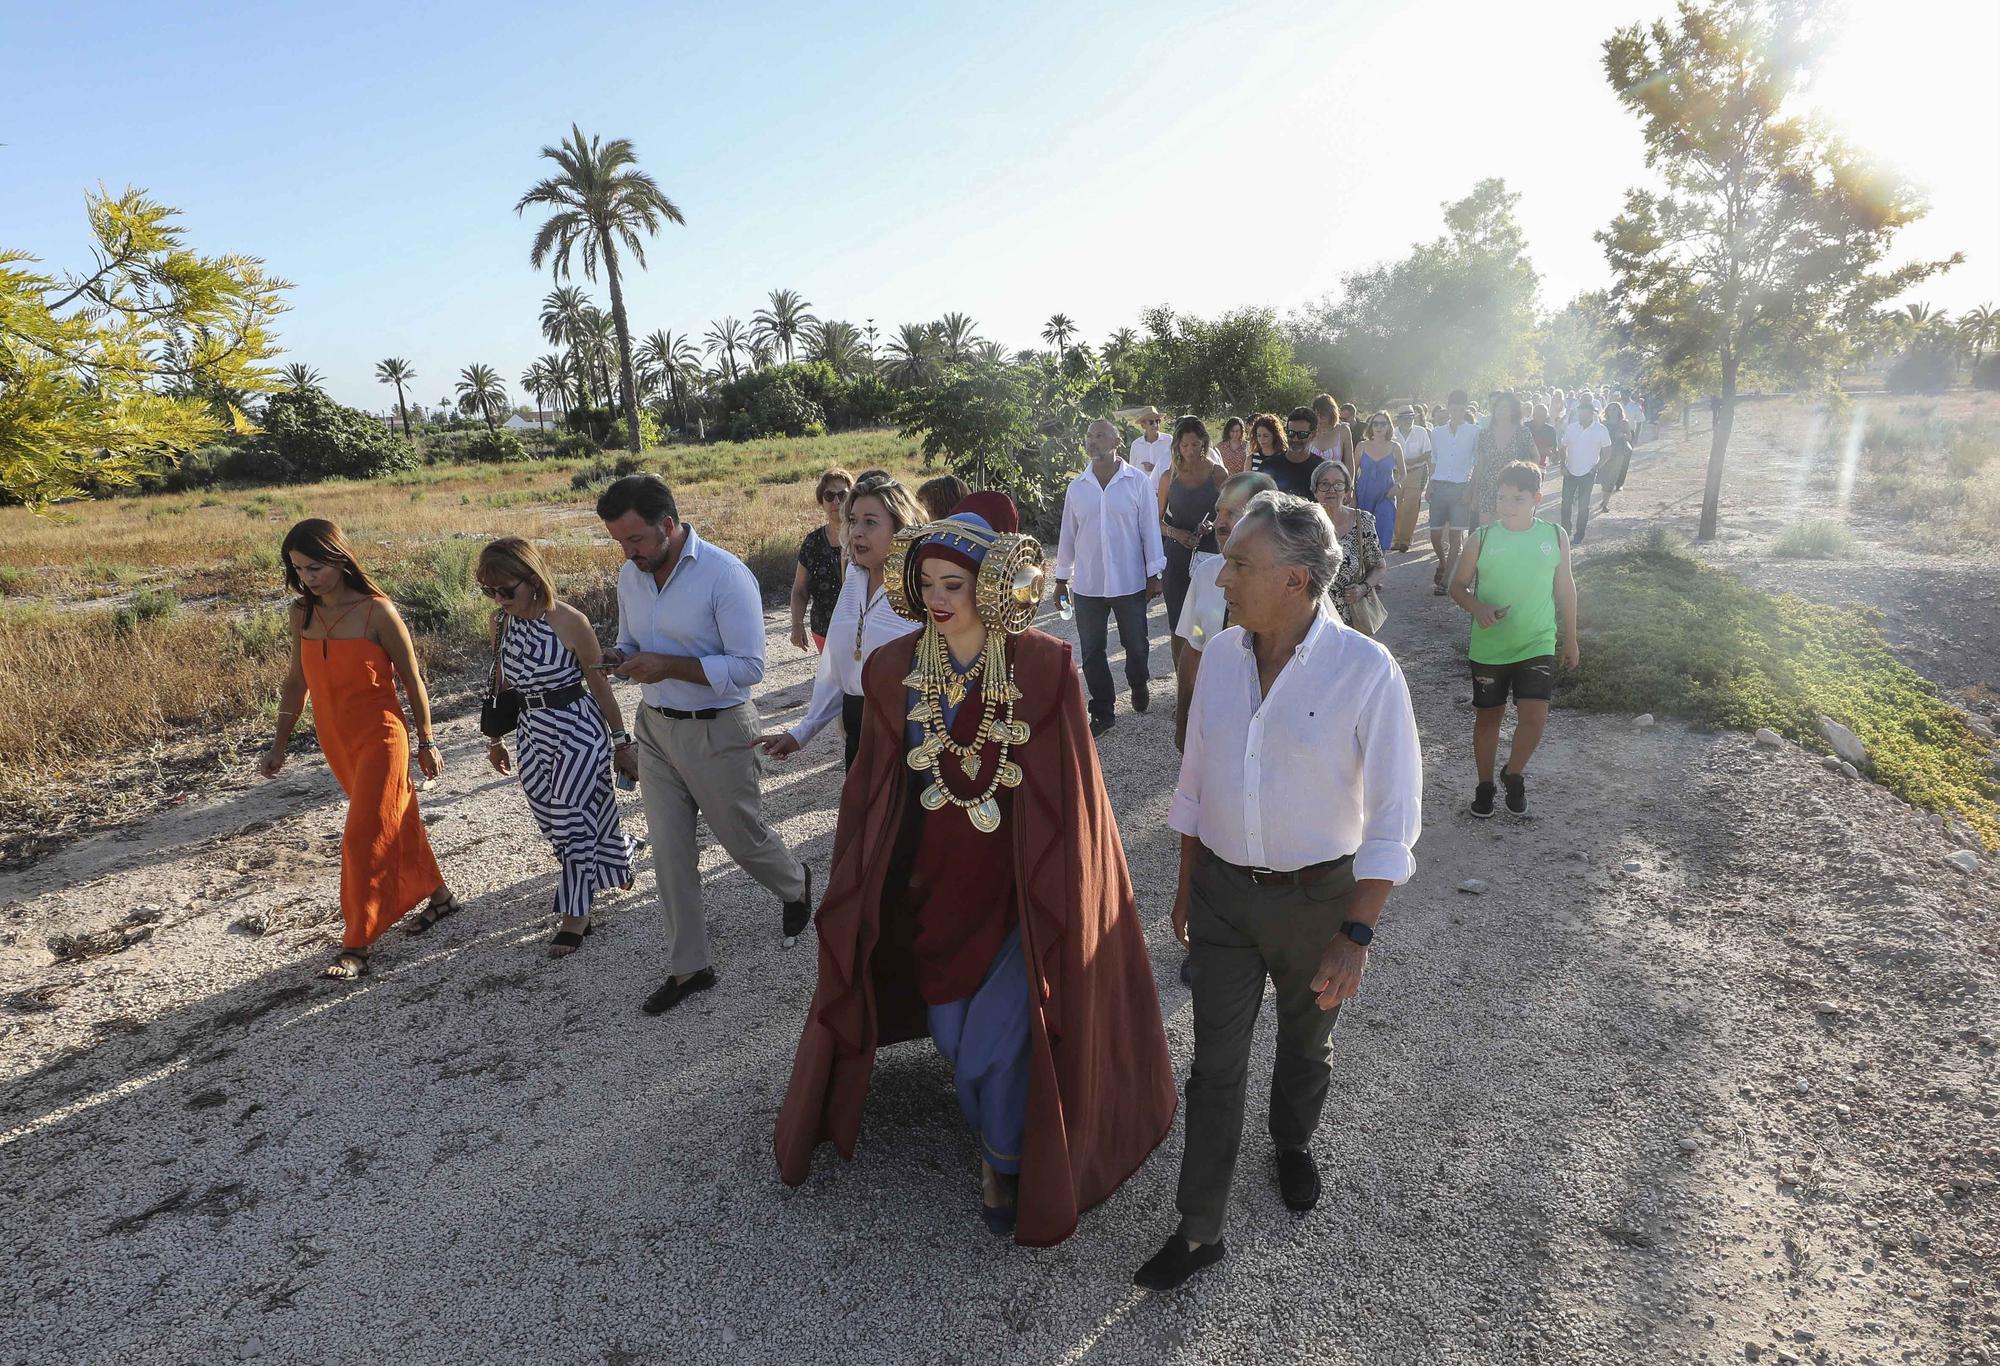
(1111, 544)
(1454, 448)
(1152, 451)
(1299, 800)
(1584, 442)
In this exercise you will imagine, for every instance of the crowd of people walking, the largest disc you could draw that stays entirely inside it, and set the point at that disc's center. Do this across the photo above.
(977, 894)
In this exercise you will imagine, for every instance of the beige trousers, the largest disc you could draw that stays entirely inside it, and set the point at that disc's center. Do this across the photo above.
(708, 768)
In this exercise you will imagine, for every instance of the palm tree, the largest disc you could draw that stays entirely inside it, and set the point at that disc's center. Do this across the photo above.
(562, 320)
(668, 358)
(726, 338)
(957, 335)
(537, 380)
(398, 372)
(840, 345)
(301, 378)
(994, 352)
(912, 357)
(555, 368)
(480, 391)
(761, 353)
(784, 322)
(1119, 345)
(598, 336)
(1979, 328)
(601, 199)
(1057, 332)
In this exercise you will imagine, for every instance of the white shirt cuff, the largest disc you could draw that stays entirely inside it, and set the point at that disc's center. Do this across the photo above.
(1384, 859)
(715, 668)
(1184, 814)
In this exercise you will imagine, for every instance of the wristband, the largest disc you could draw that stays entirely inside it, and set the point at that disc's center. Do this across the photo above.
(426, 744)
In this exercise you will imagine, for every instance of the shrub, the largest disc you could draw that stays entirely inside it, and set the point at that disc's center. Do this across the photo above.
(594, 423)
(866, 401)
(1921, 370)
(1663, 632)
(649, 432)
(148, 604)
(1821, 539)
(307, 436)
(492, 448)
(1986, 374)
(573, 446)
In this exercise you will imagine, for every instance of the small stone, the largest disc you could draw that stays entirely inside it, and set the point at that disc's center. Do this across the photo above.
(1768, 739)
(1960, 1285)
(1752, 1350)
(1985, 1041)
(1848, 770)
(1960, 833)
(1690, 1145)
(1964, 860)
(1644, 721)
(1826, 1007)
(1800, 1086)
(1830, 764)
(433, 817)
(1841, 1112)
(1803, 1335)
(1981, 725)
(1843, 741)
(1633, 865)
(1473, 886)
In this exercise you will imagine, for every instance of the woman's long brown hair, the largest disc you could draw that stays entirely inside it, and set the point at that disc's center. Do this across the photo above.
(318, 539)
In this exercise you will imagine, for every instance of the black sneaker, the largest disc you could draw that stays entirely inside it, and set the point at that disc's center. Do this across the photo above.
(1176, 1262)
(1100, 724)
(1482, 800)
(1517, 792)
(799, 914)
(1142, 698)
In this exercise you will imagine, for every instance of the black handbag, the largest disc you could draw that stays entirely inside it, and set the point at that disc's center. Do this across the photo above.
(500, 712)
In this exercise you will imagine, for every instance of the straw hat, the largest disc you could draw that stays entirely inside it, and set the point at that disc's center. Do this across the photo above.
(1149, 412)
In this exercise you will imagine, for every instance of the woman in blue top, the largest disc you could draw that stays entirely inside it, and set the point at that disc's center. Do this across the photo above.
(1378, 471)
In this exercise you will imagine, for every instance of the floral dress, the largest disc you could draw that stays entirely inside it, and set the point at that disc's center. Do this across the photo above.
(1361, 555)
(1486, 466)
(821, 558)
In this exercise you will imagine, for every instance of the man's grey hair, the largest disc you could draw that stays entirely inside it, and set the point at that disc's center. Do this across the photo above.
(1246, 486)
(1300, 535)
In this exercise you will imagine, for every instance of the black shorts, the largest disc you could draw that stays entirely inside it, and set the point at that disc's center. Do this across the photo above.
(1530, 680)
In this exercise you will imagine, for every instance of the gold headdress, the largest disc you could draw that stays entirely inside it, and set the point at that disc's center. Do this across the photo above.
(1007, 587)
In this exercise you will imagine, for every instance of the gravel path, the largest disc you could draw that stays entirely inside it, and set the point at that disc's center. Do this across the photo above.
(1705, 1073)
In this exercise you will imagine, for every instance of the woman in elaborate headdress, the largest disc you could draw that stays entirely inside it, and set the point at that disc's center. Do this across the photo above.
(979, 895)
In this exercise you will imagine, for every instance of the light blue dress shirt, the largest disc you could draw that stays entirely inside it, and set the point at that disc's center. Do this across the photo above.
(709, 609)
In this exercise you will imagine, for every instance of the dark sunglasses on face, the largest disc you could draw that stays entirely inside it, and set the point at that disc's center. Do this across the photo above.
(833, 495)
(1298, 433)
(500, 594)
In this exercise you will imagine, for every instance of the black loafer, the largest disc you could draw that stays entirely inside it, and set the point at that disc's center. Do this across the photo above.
(1142, 698)
(799, 914)
(1100, 724)
(1298, 1179)
(1176, 1262)
(672, 993)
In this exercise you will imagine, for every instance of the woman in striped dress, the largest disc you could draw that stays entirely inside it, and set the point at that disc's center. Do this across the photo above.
(570, 724)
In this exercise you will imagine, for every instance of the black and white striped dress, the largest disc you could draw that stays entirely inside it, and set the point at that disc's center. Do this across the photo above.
(564, 759)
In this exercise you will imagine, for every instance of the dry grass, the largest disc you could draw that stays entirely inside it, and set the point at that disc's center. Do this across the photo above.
(131, 621)
(1933, 462)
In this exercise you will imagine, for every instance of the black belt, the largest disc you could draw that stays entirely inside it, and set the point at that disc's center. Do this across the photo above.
(1295, 877)
(705, 714)
(557, 697)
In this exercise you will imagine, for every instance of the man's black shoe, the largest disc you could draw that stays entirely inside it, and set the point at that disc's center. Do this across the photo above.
(1100, 724)
(1176, 1262)
(1298, 1179)
(1142, 698)
(799, 914)
(1517, 791)
(1482, 800)
(672, 993)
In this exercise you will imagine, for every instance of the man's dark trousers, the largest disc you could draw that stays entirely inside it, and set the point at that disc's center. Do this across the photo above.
(1092, 615)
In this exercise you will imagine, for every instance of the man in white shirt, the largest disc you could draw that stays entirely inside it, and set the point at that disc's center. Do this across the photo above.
(1298, 803)
(1416, 442)
(1152, 452)
(1584, 442)
(691, 633)
(1454, 447)
(1111, 545)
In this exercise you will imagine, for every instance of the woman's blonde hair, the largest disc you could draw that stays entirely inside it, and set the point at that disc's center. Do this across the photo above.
(903, 509)
(819, 489)
(510, 557)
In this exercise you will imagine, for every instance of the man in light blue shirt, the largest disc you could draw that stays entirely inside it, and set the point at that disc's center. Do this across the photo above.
(691, 634)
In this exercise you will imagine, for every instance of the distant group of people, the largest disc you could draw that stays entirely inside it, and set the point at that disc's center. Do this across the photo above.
(977, 893)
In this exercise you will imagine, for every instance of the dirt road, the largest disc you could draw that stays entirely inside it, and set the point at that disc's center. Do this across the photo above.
(1707, 1072)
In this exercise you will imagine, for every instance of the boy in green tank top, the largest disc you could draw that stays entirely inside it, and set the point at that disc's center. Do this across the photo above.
(1515, 580)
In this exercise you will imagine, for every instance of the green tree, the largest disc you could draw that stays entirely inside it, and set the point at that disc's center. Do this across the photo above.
(304, 435)
(480, 391)
(1979, 328)
(601, 200)
(1238, 363)
(841, 345)
(782, 324)
(398, 372)
(1457, 312)
(666, 360)
(911, 358)
(105, 373)
(538, 380)
(956, 335)
(1058, 330)
(1580, 343)
(1760, 248)
(563, 324)
(300, 378)
(725, 339)
(556, 375)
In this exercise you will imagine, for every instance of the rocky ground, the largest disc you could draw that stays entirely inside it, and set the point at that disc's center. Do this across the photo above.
(1706, 1072)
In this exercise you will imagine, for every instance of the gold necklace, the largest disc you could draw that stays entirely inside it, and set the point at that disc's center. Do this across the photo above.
(867, 605)
(937, 682)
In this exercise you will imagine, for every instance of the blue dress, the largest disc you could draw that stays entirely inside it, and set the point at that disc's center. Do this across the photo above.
(1371, 488)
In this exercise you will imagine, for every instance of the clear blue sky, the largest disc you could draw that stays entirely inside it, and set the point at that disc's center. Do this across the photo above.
(1008, 161)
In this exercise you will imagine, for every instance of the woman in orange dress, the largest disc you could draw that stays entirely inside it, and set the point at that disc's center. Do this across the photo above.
(349, 647)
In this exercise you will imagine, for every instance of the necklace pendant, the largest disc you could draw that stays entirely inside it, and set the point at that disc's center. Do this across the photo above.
(969, 761)
(954, 692)
(934, 797)
(919, 758)
(1013, 732)
(1010, 774)
(985, 816)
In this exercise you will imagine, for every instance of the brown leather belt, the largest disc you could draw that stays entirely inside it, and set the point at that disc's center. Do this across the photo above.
(1293, 877)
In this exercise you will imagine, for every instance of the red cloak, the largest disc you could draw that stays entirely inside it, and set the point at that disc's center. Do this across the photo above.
(1101, 1092)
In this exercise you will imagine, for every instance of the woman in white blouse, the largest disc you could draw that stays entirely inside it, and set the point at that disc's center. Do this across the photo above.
(877, 508)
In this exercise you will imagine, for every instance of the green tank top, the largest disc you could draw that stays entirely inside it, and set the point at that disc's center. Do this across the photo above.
(1517, 570)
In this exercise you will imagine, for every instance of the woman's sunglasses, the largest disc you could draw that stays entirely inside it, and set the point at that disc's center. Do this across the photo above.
(833, 495)
(500, 594)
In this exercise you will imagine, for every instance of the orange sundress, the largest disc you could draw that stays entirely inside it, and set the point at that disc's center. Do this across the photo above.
(386, 864)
